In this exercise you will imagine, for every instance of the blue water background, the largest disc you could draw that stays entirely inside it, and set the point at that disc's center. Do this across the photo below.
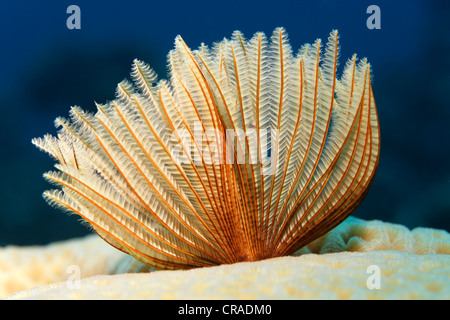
(45, 68)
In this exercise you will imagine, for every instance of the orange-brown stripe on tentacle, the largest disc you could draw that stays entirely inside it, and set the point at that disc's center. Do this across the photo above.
(164, 263)
(297, 125)
(280, 110)
(356, 199)
(175, 189)
(243, 189)
(342, 210)
(203, 125)
(225, 216)
(128, 214)
(223, 244)
(313, 126)
(205, 167)
(153, 188)
(317, 227)
(130, 185)
(180, 170)
(222, 210)
(251, 218)
(288, 218)
(296, 204)
(295, 233)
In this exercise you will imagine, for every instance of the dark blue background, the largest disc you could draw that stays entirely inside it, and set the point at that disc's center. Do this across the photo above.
(46, 68)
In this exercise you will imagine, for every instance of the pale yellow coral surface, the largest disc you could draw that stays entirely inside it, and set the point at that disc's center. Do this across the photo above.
(341, 265)
(329, 276)
(26, 267)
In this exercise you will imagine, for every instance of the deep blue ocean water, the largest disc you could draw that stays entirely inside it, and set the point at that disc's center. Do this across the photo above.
(45, 68)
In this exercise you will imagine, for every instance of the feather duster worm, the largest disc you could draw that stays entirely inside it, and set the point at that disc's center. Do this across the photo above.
(248, 151)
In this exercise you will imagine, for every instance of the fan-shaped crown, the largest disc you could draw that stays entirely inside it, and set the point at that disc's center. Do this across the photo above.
(247, 151)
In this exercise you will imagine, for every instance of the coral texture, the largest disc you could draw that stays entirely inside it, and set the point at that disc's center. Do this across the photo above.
(330, 276)
(413, 264)
(26, 267)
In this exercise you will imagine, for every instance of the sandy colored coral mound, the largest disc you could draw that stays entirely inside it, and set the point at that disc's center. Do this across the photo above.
(413, 265)
(357, 235)
(26, 267)
(329, 276)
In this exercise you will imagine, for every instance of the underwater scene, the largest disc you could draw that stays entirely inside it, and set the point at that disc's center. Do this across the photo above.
(387, 162)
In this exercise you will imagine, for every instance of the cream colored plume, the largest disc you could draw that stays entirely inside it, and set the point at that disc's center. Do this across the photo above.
(247, 151)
